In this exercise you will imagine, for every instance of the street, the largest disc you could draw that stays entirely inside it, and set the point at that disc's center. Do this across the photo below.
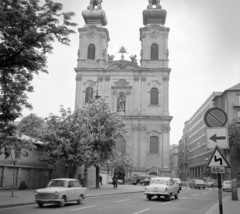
(190, 201)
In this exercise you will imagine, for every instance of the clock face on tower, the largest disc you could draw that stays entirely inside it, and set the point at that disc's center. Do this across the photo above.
(154, 31)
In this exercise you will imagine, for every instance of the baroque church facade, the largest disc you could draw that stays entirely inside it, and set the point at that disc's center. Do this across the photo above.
(139, 93)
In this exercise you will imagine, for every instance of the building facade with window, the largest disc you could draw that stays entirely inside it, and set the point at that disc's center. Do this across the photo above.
(174, 161)
(138, 92)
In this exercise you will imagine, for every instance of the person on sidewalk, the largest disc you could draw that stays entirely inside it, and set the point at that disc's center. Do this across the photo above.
(100, 179)
(115, 181)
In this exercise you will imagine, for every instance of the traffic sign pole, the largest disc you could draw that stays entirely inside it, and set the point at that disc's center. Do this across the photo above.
(220, 194)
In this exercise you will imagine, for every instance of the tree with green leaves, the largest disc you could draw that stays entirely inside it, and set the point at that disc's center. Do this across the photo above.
(27, 31)
(85, 137)
(103, 128)
(234, 137)
(31, 126)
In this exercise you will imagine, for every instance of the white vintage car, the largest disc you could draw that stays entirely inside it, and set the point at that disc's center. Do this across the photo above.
(60, 191)
(162, 186)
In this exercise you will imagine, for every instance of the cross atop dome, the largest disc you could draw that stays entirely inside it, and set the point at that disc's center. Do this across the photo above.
(122, 50)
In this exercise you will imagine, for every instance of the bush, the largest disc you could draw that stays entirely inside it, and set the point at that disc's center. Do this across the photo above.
(22, 185)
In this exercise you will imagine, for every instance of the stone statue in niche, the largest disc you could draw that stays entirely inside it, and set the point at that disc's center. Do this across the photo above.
(134, 58)
(121, 102)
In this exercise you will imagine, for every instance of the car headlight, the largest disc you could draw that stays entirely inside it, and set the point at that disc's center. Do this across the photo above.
(56, 193)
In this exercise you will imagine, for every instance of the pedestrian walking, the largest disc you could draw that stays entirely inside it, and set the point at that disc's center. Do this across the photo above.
(100, 179)
(115, 178)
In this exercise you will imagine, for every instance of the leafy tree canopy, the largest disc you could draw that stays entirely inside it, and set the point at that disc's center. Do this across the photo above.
(234, 136)
(27, 31)
(31, 126)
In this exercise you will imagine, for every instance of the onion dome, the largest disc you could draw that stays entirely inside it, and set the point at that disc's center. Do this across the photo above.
(154, 14)
(94, 14)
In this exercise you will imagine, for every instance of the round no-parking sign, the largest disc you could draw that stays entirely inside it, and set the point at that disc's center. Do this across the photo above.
(215, 117)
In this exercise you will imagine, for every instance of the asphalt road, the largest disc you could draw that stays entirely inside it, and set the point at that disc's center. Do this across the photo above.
(190, 201)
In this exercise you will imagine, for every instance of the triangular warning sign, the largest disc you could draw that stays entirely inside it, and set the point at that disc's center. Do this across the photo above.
(218, 159)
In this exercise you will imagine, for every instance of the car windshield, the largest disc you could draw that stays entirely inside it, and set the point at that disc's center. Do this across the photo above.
(159, 181)
(199, 182)
(57, 183)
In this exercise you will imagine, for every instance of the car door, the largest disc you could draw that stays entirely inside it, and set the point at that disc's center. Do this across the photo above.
(175, 187)
(171, 186)
(72, 191)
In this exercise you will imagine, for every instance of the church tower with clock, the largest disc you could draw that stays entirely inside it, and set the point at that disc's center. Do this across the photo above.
(138, 92)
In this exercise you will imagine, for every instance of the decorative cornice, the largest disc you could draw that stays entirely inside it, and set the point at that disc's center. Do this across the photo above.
(90, 83)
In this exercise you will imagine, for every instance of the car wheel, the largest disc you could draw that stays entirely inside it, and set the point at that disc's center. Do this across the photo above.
(63, 201)
(80, 199)
(134, 183)
(40, 204)
(149, 197)
(211, 186)
(203, 187)
(176, 196)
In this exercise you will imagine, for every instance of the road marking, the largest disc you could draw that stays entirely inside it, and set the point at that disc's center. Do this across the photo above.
(83, 208)
(196, 195)
(182, 198)
(142, 211)
(122, 200)
(166, 203)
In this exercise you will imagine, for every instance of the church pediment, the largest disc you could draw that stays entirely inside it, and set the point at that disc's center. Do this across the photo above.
(122, 65)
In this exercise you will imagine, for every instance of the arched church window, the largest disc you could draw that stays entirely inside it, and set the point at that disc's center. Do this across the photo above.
(121, 144)
(154, 96)
(89, 94)
(153, 145)
(154, 51)
(91, 51)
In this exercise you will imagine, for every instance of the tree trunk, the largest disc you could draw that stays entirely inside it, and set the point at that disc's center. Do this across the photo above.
(85, 174)
(97, 177)
(66, 171)
(13, 178)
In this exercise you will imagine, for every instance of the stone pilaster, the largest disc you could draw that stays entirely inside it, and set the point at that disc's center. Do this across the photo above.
(136, 93)
(143, 147)
(79, 94)
(114, 98)
(165, 147)
(135, 146)
(165, 95)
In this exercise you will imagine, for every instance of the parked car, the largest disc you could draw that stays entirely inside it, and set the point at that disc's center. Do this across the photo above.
(162, 186)
(60, 191)
(227, 186)
(196, 183)
(136, 179)
(146, 181)
(178, 182)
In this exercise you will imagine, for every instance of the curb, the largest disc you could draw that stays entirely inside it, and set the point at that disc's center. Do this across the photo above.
(29, 203)
(212, 208)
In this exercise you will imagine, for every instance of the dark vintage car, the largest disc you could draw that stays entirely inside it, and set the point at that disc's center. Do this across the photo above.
(146, 181)
(197, 184)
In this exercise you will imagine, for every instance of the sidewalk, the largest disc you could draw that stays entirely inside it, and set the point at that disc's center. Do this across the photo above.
(25, 197)
(229, 206)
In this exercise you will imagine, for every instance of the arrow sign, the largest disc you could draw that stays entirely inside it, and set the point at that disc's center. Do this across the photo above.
(217, 159)
(215, 138)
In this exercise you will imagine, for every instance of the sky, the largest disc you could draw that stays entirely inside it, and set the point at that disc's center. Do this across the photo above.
(204, 53)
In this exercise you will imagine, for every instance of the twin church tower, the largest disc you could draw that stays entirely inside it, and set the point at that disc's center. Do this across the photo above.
(139, 93)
